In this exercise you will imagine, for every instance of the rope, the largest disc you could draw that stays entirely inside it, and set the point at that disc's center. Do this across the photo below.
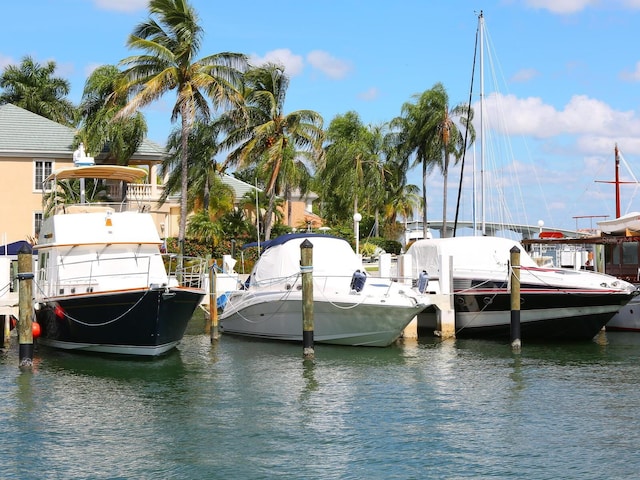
(80, 322)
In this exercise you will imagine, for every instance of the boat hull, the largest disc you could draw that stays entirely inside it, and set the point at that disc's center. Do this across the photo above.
(627, 319)
(543, 316)
(347, 320)
(145, 322)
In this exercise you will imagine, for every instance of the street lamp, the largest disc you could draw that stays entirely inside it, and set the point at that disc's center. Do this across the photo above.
(356, 228)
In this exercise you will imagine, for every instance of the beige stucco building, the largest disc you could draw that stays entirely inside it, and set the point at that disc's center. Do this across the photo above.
(31, 147)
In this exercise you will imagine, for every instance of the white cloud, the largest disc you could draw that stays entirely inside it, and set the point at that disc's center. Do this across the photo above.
(293, 64)
(332, 67)
(90, 68)
(6, 61)
(633, 76)
(369, 95)
(122, 5)
(581, 116)
(561, 6)
(525, 75)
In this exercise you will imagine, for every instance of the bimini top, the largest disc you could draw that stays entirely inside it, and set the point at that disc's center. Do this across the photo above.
(286, 238)
(109, 172)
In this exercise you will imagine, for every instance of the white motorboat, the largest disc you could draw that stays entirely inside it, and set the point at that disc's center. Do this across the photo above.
(555, 303)
(349, 307)
(102, 283)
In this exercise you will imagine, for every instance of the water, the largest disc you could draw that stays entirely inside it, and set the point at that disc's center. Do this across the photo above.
(256, 410)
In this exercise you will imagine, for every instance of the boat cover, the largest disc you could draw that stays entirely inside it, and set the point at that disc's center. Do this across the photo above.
(332, 256)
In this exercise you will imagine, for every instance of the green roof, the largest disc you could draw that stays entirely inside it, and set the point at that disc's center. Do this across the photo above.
(23, 133)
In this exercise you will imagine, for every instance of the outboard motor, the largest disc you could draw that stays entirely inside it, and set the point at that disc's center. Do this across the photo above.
(357, 280)
(423, 281)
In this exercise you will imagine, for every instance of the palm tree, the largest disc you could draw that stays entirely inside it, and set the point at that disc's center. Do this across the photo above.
(33, 87)
(447, 137)
(171, 40)
(295, 174)
(259, 132)
(100, 129)
(352, 168)
(415, 139)
(430, 134)
(202, 166)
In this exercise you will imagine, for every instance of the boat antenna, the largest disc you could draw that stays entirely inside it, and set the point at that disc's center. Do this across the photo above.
(466, 134)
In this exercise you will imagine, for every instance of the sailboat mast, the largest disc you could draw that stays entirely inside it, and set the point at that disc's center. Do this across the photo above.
(617, 153)
(482, 208)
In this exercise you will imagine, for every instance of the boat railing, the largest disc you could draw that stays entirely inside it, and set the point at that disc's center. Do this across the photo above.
(186, 271)
(97, 207)
(89, 275)
(121, 272)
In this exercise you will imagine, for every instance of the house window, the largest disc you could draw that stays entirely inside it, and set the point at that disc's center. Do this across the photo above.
(42, 170)
(37, 222)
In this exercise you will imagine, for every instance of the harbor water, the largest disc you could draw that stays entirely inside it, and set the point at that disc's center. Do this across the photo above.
(242, 409)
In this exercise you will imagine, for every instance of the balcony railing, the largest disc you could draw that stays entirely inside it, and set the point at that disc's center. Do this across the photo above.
(137, 191)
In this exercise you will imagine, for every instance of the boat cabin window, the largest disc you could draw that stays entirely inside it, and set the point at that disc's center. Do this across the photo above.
(622, 259)
(630, 253)
(43, 261)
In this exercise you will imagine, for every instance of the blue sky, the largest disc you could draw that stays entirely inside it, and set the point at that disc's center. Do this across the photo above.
(568, 72)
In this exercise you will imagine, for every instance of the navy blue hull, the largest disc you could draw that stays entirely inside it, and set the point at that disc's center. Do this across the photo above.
(140, 322)
(544, 316)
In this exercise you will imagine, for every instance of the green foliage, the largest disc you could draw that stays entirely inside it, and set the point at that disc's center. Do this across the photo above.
(389, 246)
(367, 249)
(280, 229)
(33, 87)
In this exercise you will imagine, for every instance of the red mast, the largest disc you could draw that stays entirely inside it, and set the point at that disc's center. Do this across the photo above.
(617, 181)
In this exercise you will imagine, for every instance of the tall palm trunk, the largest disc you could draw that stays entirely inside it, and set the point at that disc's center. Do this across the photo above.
(185, 175)
(268, 216)
(424, 199)
(445, 176)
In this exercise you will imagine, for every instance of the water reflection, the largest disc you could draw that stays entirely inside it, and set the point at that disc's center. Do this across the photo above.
(256, 409)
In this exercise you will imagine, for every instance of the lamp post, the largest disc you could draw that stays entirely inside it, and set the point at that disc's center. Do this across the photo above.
(356, 229)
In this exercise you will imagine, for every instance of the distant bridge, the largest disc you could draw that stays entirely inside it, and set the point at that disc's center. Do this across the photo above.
(414, 229)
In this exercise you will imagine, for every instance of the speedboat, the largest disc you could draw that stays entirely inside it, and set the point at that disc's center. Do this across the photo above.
(555, 303)
(349, 306)
(102, 283)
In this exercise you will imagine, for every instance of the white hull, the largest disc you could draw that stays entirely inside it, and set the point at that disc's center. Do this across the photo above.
(474, 321)
(348, 319)
(627, 319)
(137, 350)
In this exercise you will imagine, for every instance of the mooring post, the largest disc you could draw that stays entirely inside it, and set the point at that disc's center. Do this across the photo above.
(6, 331)
(25, 316)
(213, 303)
(306, 270)
(515, 298)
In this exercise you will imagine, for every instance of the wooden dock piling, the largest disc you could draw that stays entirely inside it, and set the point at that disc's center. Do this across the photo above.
(306, 270)
(213, 304)
(25, 320)
(516, 343)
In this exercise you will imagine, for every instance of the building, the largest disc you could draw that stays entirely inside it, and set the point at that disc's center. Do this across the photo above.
(31, 147)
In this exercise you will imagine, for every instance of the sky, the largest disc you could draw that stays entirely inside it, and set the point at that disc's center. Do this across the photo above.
(561, 82)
